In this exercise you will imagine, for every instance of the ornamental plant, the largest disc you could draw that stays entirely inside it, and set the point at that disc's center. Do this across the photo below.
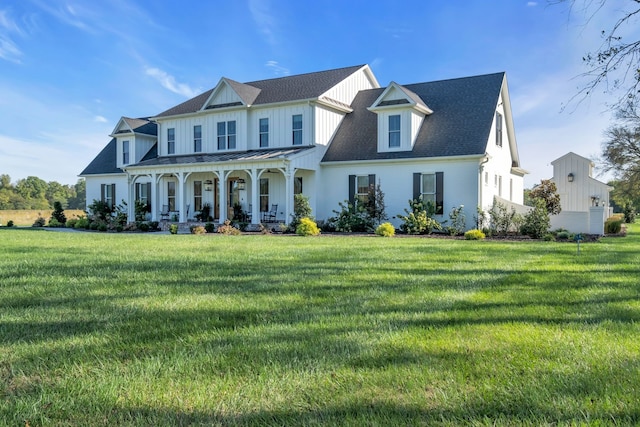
(307, 227)
(419, 220)
(386, 229)
(474, 235)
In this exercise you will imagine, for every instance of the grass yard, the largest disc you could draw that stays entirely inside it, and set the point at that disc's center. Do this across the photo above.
(154, 329)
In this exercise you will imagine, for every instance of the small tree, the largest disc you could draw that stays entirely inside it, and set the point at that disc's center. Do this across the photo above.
(375, 204)
(301, 209)
(547, 192)
(58, 213)
(419, 219)
(536, 222)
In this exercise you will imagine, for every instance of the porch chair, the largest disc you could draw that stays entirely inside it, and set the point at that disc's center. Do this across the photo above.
(164, 213)
(270, 216)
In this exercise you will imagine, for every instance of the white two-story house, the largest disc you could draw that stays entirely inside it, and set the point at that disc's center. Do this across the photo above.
(329, 135)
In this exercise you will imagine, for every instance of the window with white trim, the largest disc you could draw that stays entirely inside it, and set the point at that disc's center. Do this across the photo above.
(264, 132)
(171, 141)
(227, 135)
(394, 131)
(108, 194)
(197, 195)
(197, 138)
(264, 194)
(171, 195)
(296, 126)
(125, 152)
(430, 187)
(143, 194)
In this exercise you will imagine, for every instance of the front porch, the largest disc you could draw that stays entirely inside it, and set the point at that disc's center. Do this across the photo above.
(199, 189)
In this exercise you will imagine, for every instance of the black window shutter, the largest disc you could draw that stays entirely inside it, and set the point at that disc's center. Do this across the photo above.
(138, 191)
(352, 188)
(102, 190)
(372, 180)
(417, 177)
(148, 197)
(439, 193)
(113, 195)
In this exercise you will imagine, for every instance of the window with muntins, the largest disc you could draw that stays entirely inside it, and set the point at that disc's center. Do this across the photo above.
(430, 187)
(296, 126)
(359, 187)
(197, 138)
(143, 194)
(227, 135)
(498, 129)
(171, 141)
(297, 185)
(197, 195)
(108, 194)
(264, 194)
(264, 132)
(125, 152)
(171, 195)
(394, 131)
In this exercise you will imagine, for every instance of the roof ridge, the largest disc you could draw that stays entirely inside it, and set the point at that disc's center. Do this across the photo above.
(306, 74)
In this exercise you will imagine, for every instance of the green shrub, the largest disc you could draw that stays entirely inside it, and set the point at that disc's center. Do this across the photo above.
(612, 226)
(40, 222)
(210, 227)
(307, 227)
(386, 229)
(503, 221)
(197, 229)
(54, 223)
(458, 221)
(562, 235)
(58, 214)
(474, 235)
(154, 226)
(102, 227)
(143, 226)
(629, 213)
(119, 228)
(10, 223)
(71, 223)
(173, 229)
(548, 237)
(82, 222)
(536, 221)
(419, 220)
(301, 209)
(352, 217)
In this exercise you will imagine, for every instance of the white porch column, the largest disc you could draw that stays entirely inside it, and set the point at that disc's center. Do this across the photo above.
(255, 196)
(154, 197)
(288, 208)
(131, 197)
(180, 196)
(222, 191)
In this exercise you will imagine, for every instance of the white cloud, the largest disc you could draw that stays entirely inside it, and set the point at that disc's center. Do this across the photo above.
(9, 51)
(277, 69)
(264, 19)
(169, 82)
(100, 119)
(532, 3)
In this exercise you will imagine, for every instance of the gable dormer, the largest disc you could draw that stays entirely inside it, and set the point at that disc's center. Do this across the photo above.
(134, 138)
(229, 93)
(400, 114)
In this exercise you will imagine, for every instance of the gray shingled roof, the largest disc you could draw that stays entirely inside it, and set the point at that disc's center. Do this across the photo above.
(290, 88)
(251, 155)
(463, 112)
(142, 126)
(104, 162)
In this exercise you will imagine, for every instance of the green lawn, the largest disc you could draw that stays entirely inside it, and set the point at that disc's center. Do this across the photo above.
(153, 329)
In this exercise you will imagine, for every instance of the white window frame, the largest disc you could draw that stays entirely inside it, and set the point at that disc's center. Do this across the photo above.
(296, 132)
(197, 138)
(125, 152)
(171, 140)
(263, 131)
(395, 133)
(226, 139)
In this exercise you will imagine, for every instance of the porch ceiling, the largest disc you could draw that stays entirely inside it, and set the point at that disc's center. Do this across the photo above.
(238, 156)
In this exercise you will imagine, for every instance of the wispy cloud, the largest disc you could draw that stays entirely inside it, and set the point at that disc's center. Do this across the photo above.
(9, 51)
(169, 82)
(264, 19)
(100, 119)
(532, 3)
(277, 69)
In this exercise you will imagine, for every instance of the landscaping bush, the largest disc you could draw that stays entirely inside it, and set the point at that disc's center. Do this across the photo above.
(536, 222)
(457, 220)
(629, 213)
(82, 222)
(503, 221)
(10, 223)
(301, 209)
(210, 227)
(40, 222)
(102, 226)
(386, 229)
(58, 215)
(474, 235)
(419, 220)
(54, 223)
(154, 226)
(197, 229)
(549, 237)
(173, 229)
(228, 229)
(563, 235)
(612, 226)
(71, 223)
(352, 217)
(307, 227)
(143, 226)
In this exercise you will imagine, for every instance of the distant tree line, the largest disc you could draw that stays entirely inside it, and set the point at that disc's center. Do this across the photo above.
(35, 193)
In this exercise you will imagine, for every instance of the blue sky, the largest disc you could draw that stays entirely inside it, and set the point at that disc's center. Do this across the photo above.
(70, 69)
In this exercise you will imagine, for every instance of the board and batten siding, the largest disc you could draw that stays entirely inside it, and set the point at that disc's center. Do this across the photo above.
(346, 90)
(576, 196)
(326, 124)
